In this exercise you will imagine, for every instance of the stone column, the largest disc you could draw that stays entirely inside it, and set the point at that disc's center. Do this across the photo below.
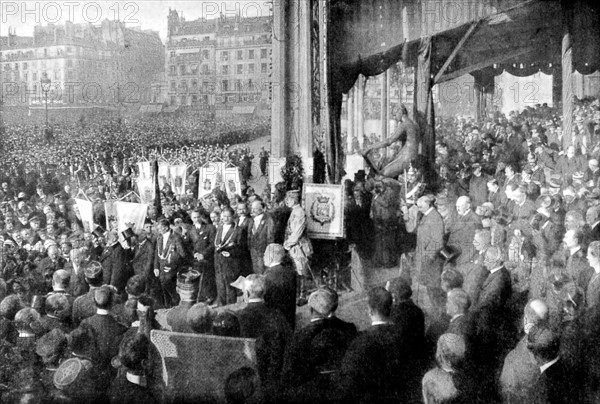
(360, 94)
(384, 104)
(350, 119)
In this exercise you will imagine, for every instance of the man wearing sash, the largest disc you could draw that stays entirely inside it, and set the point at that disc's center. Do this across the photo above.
(168, 258)
(228, 258)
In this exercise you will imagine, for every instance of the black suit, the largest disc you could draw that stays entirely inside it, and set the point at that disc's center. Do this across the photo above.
(143, 259)
(228, 261)
(203, 242)
(280, 291)
(303, 361)
(122, 391)
(83, 307)
(459, 326)
(169, 261)
(272, 332)
(108, 334)
(259, 239)
(594, 233)
(245, 227)
(375, 367)
(410, 320)
(555, 385)
(116, 270)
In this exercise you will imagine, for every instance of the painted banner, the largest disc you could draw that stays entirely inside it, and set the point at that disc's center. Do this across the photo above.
(85, 214)
(130, 215)
(232, 181)
(163, 174)
(178, 178)
(180, 358)
(146, 190)
(145, 169)
(111, 214)
(211, 175)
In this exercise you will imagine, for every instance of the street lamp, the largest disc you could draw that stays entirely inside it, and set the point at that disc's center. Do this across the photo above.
(46, 83)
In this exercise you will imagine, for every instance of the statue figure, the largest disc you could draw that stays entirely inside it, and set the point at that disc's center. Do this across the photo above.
(407, 133)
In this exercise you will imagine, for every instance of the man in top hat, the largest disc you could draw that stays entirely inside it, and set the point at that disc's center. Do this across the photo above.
(297, 242)
(84, 306)
(115, 263)
(168, 260)
(316, 351)
(142, 259)
(478, 186)
(98, 242)
(461, 228)
(187, 288)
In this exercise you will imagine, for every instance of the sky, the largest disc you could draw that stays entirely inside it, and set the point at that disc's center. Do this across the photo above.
(147, 14)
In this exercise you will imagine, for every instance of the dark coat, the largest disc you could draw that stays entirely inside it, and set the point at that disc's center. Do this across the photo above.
(227, 268)
(459, 326)
(555, 386)
(77, 284)
(116, 270)
(495, 291)
(122, 391)
(579, 270)
(83, 307)
(203, 242)
(272, 333)
(410, 320)
(430, 240)
(375, 367)
(519, 374)
(474, 275)
(259, 239)
(174, 254)
(108, 333)
(478, 191)
(143, 259)
(280, 291)
(320, 346)
(461, 230)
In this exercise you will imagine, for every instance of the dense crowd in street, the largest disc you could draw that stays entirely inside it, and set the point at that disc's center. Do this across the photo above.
(499, 256)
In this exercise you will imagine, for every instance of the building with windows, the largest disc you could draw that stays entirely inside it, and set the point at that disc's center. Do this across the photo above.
(220, 66)
(88, 65)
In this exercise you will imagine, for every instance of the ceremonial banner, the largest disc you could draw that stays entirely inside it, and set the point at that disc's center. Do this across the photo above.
(181, 358)
(145, 169)
(211, 174)
(163, 174)
(178, 177)
(110, 213)
(146, 189)
(324, 206)
(85, 214)
(233, 182)
(130, 215)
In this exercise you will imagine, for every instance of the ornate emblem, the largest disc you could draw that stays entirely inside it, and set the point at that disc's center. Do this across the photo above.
(322, 210)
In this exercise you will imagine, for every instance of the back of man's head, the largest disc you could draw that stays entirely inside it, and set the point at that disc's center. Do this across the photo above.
(543, 343)
(60, 280)
(536, 312)
(380, 301)
(256, 286)
(103, 297)
(460, 300)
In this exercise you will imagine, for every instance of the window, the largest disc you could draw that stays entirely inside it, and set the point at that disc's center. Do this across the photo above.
(225, 85)
(173, 100)
(34, 76)
(263, 54)
(46, 52)
(194, 99)
(205, 69)
(183, 84)
(16, 66)
(69, 63)
(240, 69)
(194, 84)
(225, 69)
(56, 75)
(238, 85)
(251, 54)
(173, 54)
(69, 50)
(173, 70)
(205, 54)
(25, 66)
(240, 55)
(173, 85)
(205, 99)
(70, 75)
(263, 68)
(25, 76)
(224, 56)
(183, 100)
(251, 68)
(182, 69)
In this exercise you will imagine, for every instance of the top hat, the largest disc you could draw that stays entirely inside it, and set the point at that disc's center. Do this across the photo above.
(449, 253)
(98, 232)
(127, 233)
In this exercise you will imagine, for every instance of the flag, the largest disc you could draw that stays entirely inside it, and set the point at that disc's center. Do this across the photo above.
(178, 176)
(157, 203)
(233, 182)
(145, 170)
(146, 190)
(110, 213)
(209, 176)
(130, 215)
(85, 214)
(163, 174)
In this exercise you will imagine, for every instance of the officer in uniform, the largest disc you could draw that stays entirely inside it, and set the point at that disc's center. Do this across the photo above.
(187, 288)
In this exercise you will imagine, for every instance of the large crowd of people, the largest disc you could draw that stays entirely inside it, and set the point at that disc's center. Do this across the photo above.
(497, 301)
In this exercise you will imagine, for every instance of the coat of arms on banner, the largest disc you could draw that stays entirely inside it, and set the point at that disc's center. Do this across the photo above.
(322, 209)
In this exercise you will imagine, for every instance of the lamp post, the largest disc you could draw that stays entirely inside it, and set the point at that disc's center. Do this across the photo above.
(46, 83)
